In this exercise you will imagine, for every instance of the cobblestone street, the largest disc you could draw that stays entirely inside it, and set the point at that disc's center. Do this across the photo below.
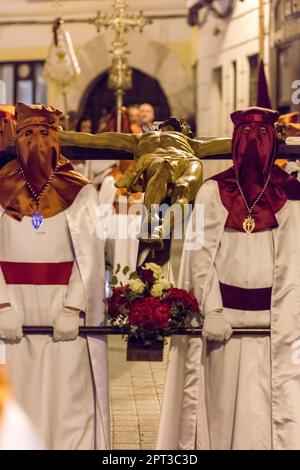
(136, 390)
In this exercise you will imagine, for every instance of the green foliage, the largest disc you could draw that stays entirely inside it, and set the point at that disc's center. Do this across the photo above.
(113, 281)
(133, 275)
(126, 270)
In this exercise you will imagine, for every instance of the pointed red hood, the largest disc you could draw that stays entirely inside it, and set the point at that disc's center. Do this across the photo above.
(254, 147)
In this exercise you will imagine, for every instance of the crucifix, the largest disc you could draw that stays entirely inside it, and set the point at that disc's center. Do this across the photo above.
(176, 175)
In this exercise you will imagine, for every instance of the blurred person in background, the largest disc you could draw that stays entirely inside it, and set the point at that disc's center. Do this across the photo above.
(102, 120)
(146, 114)
(7, 125)
(85, 125)
(134, 118)
(69, 121)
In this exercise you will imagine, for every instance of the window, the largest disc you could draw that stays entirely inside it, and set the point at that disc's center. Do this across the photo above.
(217, 100)
(23, 81)
(253, 79)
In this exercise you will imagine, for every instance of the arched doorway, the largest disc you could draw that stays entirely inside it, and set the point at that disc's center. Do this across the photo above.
(148, 56)
(98, 97)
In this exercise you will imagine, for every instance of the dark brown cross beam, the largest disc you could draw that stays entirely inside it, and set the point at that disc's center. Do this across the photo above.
(76, 153)
(290, 151)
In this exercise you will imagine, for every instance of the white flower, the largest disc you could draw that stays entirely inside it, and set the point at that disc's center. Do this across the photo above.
(159, 286)
(136, 285)
(120, 321)
(155, 268)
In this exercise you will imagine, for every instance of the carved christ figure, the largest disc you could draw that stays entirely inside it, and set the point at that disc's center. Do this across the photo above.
(167, 165)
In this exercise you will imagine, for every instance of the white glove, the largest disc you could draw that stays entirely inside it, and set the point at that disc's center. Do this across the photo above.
(10, 324)
(66, 325)
(215, 327)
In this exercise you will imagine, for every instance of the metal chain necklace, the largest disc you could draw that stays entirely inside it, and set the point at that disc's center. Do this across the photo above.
(37, 218)
(249, 222)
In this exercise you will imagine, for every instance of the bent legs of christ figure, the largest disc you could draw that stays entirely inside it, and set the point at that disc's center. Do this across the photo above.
(173, 183)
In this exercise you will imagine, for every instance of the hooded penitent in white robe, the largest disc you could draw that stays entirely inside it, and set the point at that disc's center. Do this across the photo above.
(62, 386)
(243, 393)
(120, 230)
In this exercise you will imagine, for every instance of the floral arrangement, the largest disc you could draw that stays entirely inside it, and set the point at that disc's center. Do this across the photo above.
(148, 307)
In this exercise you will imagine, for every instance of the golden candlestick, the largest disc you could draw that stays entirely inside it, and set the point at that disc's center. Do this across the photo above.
(120, 73)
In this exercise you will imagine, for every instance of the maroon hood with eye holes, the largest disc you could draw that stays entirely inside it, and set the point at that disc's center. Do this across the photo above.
(254, 147)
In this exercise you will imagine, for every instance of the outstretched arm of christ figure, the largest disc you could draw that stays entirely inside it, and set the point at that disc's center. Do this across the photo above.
(104, 140)
(216, 146)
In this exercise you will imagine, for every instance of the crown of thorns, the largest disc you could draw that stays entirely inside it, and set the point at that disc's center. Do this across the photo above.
(179, 125)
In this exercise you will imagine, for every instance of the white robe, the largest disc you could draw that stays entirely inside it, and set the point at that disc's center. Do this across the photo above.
(63, 387)
(243, 394)
(120, 230)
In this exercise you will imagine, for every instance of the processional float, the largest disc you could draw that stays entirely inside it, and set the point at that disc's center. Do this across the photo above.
(290, 150)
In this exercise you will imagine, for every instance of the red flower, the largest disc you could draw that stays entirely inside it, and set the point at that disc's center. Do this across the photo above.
(117, 300)
(150, 313)
(146, 275)
(183, 297)
(162, 315)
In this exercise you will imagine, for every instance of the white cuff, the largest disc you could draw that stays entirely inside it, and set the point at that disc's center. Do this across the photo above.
(4, 296)
(75, 297)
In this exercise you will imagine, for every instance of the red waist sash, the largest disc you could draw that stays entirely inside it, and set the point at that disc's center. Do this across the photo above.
(37, 273)
(246, 299)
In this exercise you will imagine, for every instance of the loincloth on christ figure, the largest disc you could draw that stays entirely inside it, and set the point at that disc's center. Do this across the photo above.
(136, 180)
